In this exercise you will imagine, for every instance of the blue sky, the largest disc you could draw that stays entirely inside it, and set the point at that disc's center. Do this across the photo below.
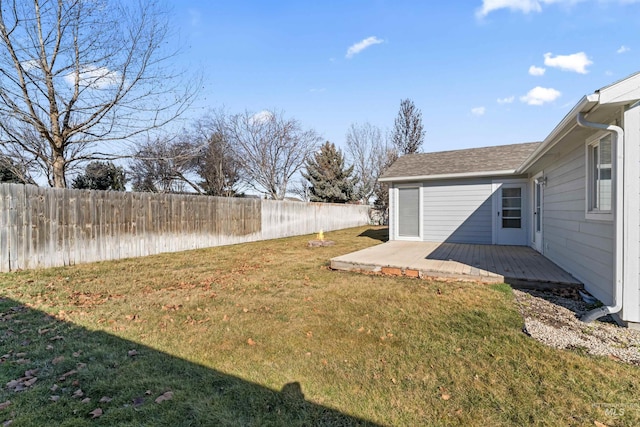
(483, 72)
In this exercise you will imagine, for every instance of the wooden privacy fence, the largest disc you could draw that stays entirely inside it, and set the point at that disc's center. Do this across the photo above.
(48, 227)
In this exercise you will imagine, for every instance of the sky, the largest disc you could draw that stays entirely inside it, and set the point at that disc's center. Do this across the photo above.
(483, 72)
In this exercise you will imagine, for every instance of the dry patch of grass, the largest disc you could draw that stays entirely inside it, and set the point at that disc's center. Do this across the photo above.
(265, 333)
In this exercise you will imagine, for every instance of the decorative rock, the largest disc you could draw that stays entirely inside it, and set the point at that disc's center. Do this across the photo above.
(554, 320)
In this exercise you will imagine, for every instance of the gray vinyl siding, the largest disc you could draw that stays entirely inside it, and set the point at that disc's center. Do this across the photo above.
(582, 247)
(457, 211)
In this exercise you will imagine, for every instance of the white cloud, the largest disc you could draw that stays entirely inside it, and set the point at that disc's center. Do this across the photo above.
(528, 6)
(507, 100)
(261, 117)
(362, 45)
(537, 71)
(540, 95)
(524, 6)
(577, 62)
(95, 77)
(623, 49)
(30, 64)
(478, 111)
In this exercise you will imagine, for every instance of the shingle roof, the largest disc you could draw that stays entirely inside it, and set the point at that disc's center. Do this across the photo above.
(472, 160)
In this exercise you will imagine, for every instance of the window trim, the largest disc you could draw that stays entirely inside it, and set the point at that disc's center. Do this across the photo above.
(596, 214)
(396, 197)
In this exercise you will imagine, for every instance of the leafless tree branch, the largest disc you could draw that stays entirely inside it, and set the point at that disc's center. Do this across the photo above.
(270, 149)
(366, 149)
(75, 74)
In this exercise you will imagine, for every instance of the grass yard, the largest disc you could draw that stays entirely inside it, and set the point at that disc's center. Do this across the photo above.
(265, 334)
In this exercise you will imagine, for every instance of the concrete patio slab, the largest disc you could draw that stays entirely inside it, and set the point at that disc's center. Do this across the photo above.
(482, 263)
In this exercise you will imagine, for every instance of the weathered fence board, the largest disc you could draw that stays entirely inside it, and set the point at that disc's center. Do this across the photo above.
(46, 227)
(5, 230)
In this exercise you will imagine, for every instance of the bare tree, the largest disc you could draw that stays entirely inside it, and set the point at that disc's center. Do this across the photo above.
(408, 133)
(163, 166)
(215, 162)
(75, 74)
(366, 148)
(381, 190)
(302, 189)
(270, 149)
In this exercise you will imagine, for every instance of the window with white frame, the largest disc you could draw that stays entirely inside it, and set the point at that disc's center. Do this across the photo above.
(599, 177)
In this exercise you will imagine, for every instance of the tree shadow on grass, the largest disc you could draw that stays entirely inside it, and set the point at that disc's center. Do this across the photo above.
(381, 234)
(56, 373)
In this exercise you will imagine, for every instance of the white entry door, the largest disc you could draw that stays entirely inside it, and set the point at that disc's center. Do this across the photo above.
(538, 197)
(509, 213)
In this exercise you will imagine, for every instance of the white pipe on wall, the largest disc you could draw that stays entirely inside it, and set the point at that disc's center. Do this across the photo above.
(619, 219)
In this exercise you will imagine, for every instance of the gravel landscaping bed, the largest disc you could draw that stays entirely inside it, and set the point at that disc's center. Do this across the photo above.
(552, 317)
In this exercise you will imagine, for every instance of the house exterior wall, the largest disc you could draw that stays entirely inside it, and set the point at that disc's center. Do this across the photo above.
(584, 248)
(457, 211)
(631, 275)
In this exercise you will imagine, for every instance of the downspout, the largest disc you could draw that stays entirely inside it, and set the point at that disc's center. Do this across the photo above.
(619, 219)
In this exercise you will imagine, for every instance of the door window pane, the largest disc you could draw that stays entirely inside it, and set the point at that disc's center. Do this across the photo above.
(512, 207)
(511, 202)
(511, 192)
(511, 223)
(511, 213)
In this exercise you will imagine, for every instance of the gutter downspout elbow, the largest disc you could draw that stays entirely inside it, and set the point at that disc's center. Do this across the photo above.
(619, 218)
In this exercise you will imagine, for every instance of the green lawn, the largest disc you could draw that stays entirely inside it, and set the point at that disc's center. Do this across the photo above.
(266, 334)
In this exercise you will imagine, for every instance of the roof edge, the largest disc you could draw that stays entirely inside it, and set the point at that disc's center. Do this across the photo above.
(586, 104)
(448, 176)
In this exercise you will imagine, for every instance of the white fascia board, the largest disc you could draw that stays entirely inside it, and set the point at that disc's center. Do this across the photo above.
(563, 128)
(622, 92)
(448, 176)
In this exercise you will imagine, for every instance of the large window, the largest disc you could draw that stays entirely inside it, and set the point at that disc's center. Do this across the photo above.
(599, 178)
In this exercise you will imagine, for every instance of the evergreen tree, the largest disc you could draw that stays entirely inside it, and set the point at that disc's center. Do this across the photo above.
(101, 176)
(329, 178)
(408, 133)
(11, 172)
